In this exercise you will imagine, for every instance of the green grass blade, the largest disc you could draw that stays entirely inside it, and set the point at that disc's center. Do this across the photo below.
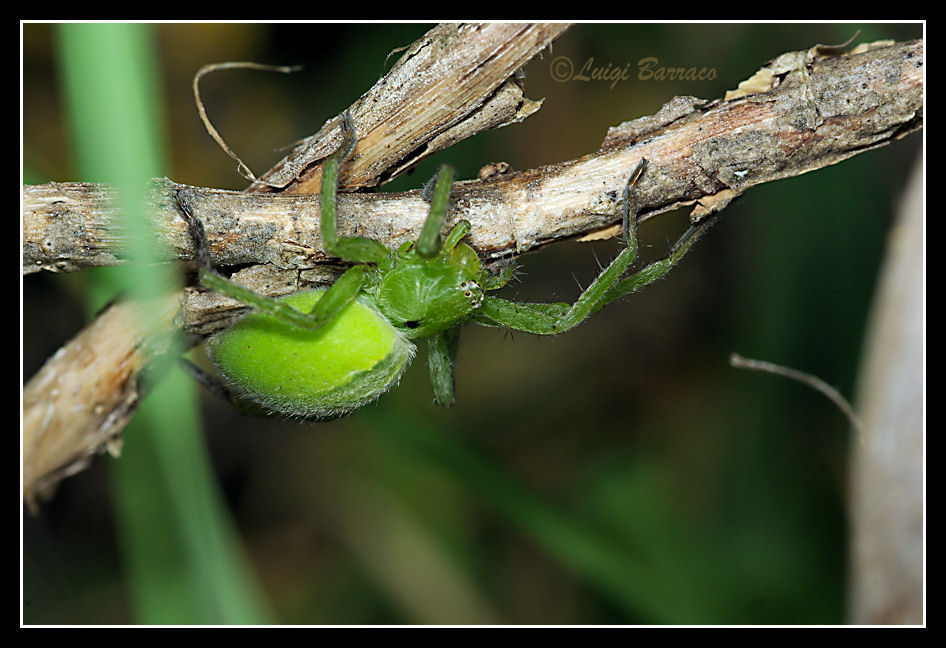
(183, 558)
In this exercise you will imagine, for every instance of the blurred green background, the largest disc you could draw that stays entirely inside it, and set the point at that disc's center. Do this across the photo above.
(621, 473)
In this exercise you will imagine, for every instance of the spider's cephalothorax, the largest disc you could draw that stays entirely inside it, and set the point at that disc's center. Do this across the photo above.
(325, 352)
(425, 296)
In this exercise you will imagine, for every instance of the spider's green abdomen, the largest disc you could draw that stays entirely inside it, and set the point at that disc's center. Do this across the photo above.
(314, 374)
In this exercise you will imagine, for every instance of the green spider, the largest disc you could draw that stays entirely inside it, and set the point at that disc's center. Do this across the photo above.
(324, 352)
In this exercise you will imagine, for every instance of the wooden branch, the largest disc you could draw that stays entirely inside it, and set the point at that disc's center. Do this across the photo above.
(79, 402)
(803, 111)
(454, 82)
(816, 110)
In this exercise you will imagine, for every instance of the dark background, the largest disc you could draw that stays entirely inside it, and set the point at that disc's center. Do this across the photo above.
(621, 473)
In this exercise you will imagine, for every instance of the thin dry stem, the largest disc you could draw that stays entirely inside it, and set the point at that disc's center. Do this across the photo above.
(804, 378)
(231, 65)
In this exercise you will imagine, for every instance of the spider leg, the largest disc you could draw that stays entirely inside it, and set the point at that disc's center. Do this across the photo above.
(428, 243)
(459, 230)
(354, 248)
(501, 278)
(220, 390)
(336, 298)
(657, 269)
(549, 319)
(441, 357)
